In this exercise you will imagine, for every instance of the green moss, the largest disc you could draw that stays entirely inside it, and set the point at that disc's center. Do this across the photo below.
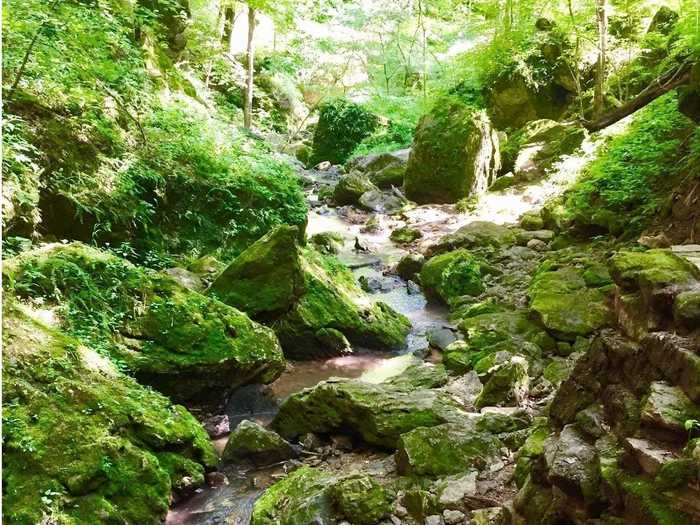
(677, 473)
(378, 413)
(361, 500)
(443, 450)
(170, 337)
(405, 235)
(528, 453)
(651, 504)
(83, 441)
(303, 294)
(563, 303)
(454, 153)
(651, 269)
(452, 274)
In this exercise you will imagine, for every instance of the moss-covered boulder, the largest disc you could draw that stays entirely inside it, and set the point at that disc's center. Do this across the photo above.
(565, 305)
(507, 385)
(544, 143)
(451, 275)
(455, 154)
(378, 413)
(305, 296)
(361, 500)
(405, 235)
(444, 449)
(251, 441)
(497, 333)
(350, 188)
(82, 442)
(177, 340)
(409, 266)
(655, 291)
(472, 235)
(328, 243)
(315, 496)
(667, 407)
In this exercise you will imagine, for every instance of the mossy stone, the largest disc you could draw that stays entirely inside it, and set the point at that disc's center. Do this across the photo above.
(306, 296)
(82, 441)
(455, 154)
(350, 188)
(443, 450)
(361, 500)
(249, 440)
(452, 274)
(172, 338)
(405, 235)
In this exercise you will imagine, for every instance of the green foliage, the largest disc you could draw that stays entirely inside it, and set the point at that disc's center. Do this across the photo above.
(342, 125)
(624, 186)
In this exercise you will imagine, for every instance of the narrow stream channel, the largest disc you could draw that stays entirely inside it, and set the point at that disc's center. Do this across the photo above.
(232, 503)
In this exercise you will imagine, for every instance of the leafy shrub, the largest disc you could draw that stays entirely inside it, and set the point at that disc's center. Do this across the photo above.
(342, 125)
(623, 188)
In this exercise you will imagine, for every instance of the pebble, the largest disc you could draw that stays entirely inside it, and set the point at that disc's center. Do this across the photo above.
(435, 519)
(453, 517)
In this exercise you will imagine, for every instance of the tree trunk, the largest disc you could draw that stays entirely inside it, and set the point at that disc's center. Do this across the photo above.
(599, 92)
(660, 86)
(248, 107)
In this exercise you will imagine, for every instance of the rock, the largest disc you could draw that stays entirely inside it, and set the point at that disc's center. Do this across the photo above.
(529, 452)
(216, 426)
(377, 161)
(409, 266)
(444, 449)
(591, 420)
(117, 449)
(304, 496)
(440, 337)
(565, 305)
(490, 516)
(451, 275)
(489, 333)
(361, 500)
(311, 300)
(537, 245)
(350, 188)
(186, 279)
(455, 154)
(314, 496)
(678, 359)
(669, 408)
(572, 465)
(508, 384)
(205, 265)
(251, 441)
(178, 341)
(686, 309)
(531, 221)
(545, 142)
(525, 237)
(405, 235)
(453, 517)
(378, 413)
(651, 270)
(650, 457)
(434, 519)
(378, 201)
(328, 243)
(472, 235)
(311, 442)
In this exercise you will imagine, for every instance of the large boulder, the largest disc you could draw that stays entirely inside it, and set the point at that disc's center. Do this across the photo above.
(455, 154)
(251, 441)
(314, 496)
(507, 384)
(452, 274)
(445, 449)
(378, 413)
(545, 142)
(177, 340)
(383, 169)
(313, 302)
(489, 336)
(84, 442)
(654, 290)
(565, 305)
(473, 235)
(350, 188)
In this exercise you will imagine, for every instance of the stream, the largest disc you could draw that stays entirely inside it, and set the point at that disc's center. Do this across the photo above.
(231, 502)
